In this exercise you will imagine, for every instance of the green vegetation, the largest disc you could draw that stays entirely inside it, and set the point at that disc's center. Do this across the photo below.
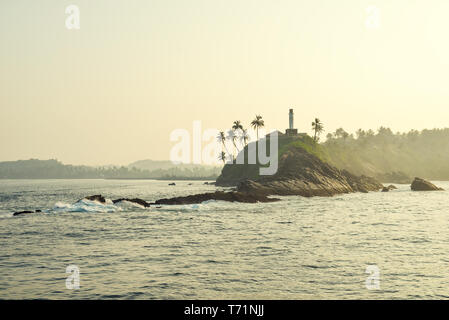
(305, 142)
(318, 128)
(237, 172)
(257, 123)
(237, 132)
(383, 154)
(416, 153)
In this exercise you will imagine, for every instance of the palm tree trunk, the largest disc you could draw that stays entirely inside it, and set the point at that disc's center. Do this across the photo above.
(224, 145)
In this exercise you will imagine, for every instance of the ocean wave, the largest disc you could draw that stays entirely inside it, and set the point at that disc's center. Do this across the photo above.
(85, 205)
(4, 215)
(124, 204)
(93, 206)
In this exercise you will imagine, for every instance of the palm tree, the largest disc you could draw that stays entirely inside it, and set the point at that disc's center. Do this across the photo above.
(222, 157)
(341, 133)
(318, 127)
(257, 123)
(232, 136)
(244, 138)
(238, 128)
(360, 134)
(237, 125)
(221, 138)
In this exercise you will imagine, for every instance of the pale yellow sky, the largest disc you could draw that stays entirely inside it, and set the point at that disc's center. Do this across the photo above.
(111, 92)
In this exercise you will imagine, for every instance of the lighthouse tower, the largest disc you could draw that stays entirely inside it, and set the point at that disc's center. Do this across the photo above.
(290, 119)
(291, 131)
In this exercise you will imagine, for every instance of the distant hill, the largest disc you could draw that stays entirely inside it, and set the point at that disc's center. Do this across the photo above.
(54, 169)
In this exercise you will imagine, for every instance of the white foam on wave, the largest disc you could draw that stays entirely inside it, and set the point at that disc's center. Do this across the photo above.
(208, 205)
(85, 205)
(129, 205)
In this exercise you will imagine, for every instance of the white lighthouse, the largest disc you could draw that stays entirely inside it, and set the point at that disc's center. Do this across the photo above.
(291, 131)
(290, 119)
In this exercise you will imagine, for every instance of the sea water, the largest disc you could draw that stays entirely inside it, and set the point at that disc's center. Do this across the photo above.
(298, 248)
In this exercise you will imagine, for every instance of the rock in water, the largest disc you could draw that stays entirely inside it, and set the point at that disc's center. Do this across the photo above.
(25, 212)
(135, 200)
(218, 195)
(424, 185)
(389, 188)
(22, 212)
(97, 197)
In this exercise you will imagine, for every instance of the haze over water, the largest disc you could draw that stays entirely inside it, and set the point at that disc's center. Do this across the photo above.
(297, 248)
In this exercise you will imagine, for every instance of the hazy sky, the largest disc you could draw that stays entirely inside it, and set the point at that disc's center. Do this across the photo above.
(111, 92)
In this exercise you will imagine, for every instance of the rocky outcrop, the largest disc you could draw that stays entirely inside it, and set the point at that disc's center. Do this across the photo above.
(25, 212)
(389, 188)
(135, 200)
(193, 199)
(218, 195)
(304, 174)
(423, 185)
(361, 183)
(97, 198)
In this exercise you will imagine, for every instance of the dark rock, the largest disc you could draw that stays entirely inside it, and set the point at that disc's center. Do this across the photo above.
(135, 200)
(97, 197)
(389, 188)
(361, 183)
(218, 195)
(301, 173)
(423, 185)
(22, 212)
(26, 212)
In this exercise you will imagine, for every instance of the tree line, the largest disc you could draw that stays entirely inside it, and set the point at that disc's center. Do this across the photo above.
(54, 169)
(416, 153)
